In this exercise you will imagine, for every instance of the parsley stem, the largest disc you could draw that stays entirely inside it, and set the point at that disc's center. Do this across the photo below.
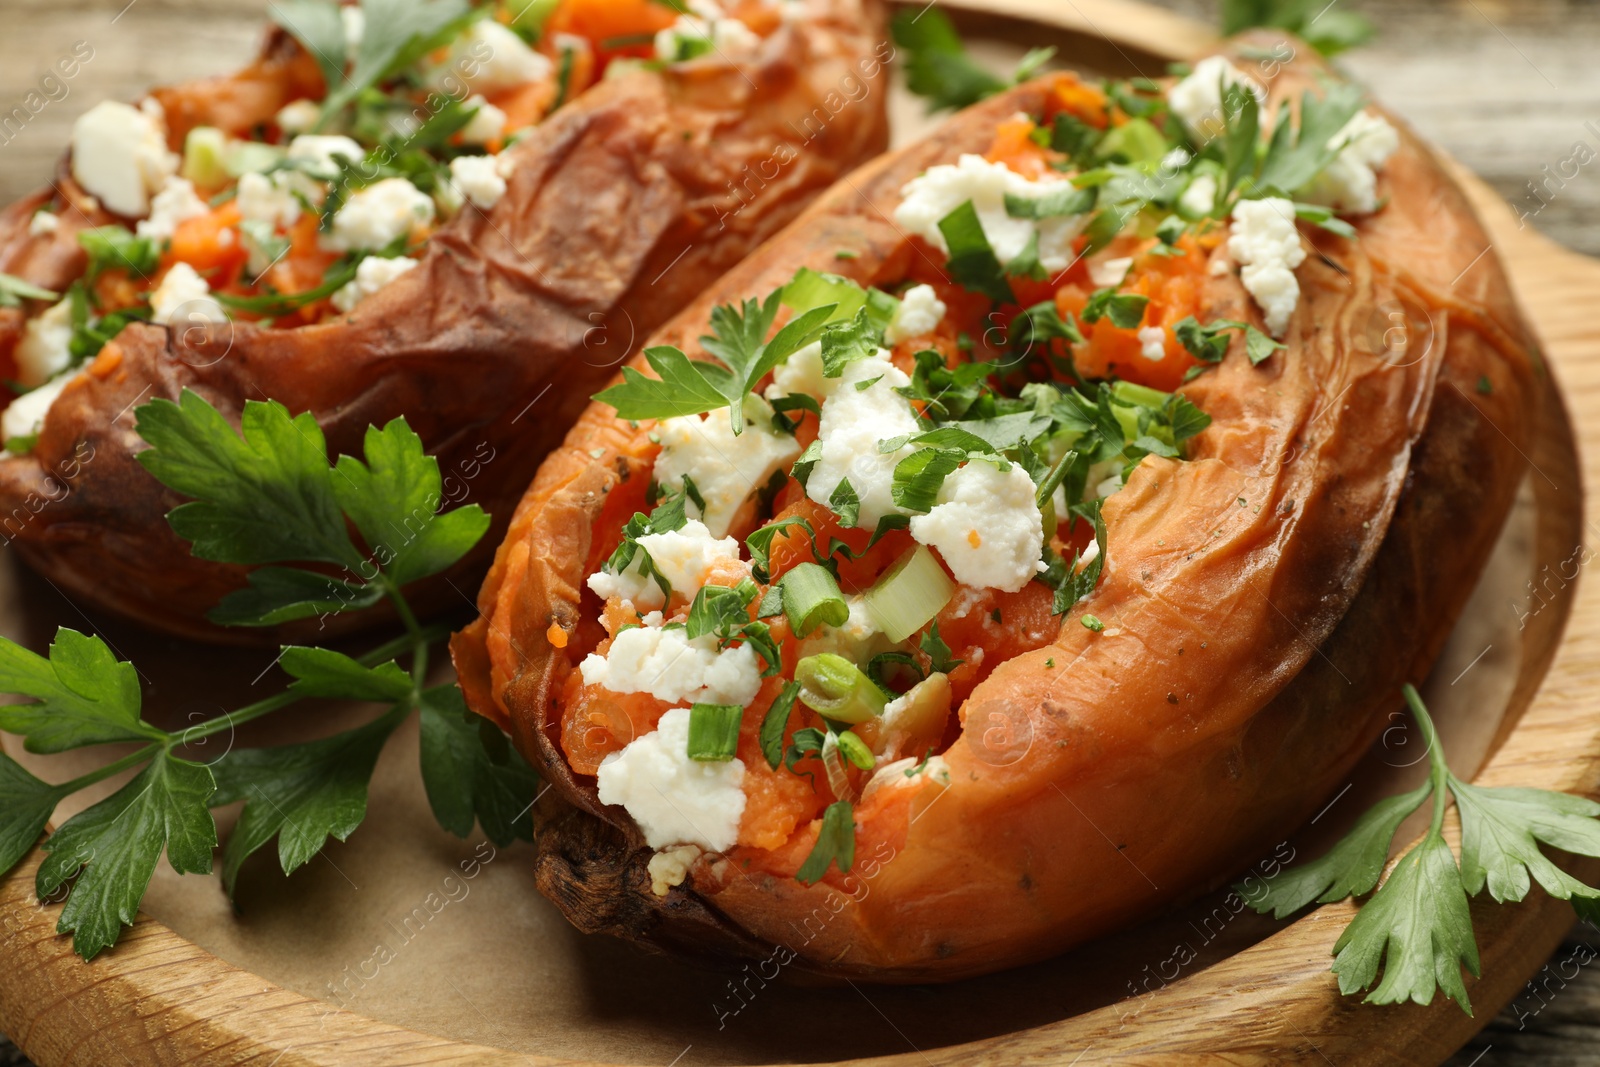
(132, 759)
(1439, 770)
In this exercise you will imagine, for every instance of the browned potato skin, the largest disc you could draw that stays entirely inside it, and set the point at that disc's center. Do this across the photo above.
(1243, 672)
(623, 207)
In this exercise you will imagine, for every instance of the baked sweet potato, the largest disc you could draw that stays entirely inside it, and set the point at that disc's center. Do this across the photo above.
(622, 205)
(1268, 584)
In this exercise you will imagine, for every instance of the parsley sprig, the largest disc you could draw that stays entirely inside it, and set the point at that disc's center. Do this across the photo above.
(268, 495)
(1417, 927)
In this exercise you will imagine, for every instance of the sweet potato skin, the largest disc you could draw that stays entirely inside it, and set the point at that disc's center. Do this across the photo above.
(624, 205)
(1264, 601)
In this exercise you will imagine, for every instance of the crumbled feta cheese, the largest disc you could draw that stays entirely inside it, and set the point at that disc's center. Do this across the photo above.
(375, 217)
(354, 22)
(262, 199)
(488, 124)
(674, 799)
(940, 190)
(176, 202)
(43, 223)
(688, 37)
(1091, 551)
(1153, 343)
(986, 527)
(918, 315)
(726, 470)
(301, 115)
(1349, 184)
(802, 373)
(685, 557)
(490, 57)
(44, 349)
(853, 421)
(908, 771)
(372, 274)
(1107, 486)
(25, 415)
(1105, 273)
(1266, 245)
(120, 156)
(320, 150)
(1197, 99)
(478, 179)
(184, 298)
(669, 867)
(665, 663)
(1200, 197)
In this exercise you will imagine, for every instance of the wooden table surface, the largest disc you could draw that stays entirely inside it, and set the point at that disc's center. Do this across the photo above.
(1509, 87)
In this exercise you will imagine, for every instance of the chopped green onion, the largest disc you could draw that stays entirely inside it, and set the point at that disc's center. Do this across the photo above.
(714, 731)
(910, 593)
(836, 844)
(811, 598)
(1092, 623)
(855, 750)
(205, 151)
(837, 689)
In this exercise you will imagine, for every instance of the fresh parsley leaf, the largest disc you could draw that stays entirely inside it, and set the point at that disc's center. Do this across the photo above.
(394, 499)
(1298, 152)
(273, 305)
(14, 290)
(775, 722)
(265, 498)
(937, 65)
(116, 248)
(933, 646)
(301, 794)
(1070, 583)
(1501, 830)
(1074, 138)
(1067, 200)
(1125, 310)
(813, 289)
(1207, 343)
(1417, 926)
(720, 611)
(112, 849)
(319, 29)
(398, 34)
(972, 260)
(1329, 32)
(83, 695)
(471, 771)
(760, 543)
(322, 672)
(25, 807)
(1258, 346)
(844, 343)
(283, 594)
(1026, 263)
(1042, 323)
(1032, 63)
(1318, 215)
(836, 843)
(845, 503)
(918, 477)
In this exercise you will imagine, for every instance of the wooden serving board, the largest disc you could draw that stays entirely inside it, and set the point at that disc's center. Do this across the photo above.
(407, 946)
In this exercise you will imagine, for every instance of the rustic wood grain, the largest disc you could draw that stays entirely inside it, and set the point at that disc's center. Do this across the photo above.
(1465, 74)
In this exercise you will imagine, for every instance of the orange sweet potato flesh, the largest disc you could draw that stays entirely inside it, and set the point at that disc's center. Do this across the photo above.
(624, 205)
(1263, 601)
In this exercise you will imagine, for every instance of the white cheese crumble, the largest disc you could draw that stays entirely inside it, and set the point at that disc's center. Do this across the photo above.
(802, 373)
(262, 199)
(43, 223)
(665, 663)
(120, 156)
(685, 557)
(1153, 343)
(1200, 197)
(1197, 99)
(321, 150)
(1105, 273)
(44, 349)
(354, 22)
(669, 867)
(939, 190)
(478, 179)
(918, 315)
(674, 799)
(1349, 184)
(728, 38)
(301, 115)
(986, 527)
(853, 421)
(25, 415)
(489, 124)
(184, 298)
(372, 274)
(177, 202)
(374, 217)
(726, 470)
(490, 57)
(1266, 245)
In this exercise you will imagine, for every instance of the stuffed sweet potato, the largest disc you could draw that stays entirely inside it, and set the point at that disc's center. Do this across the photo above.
(472, 230)
(1110, 469)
